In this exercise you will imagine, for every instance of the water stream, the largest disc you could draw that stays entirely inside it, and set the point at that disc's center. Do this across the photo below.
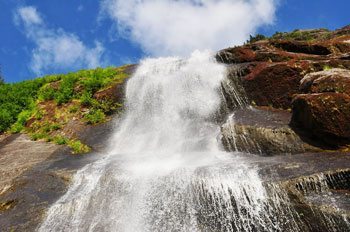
(164, 170)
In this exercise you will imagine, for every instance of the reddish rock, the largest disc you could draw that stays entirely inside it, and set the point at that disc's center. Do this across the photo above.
(270, 72)
(130, 69)
(324, 115)
(277, 65)
(333, 80)
(272, 85)
(236, 55)
(260, 51)
(114, 93)
(343, 31)
(343, 47)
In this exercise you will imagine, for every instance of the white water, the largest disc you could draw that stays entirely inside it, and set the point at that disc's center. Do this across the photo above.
(164, 170)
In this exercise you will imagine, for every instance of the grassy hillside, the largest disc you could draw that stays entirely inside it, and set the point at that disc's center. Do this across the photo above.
(48, 108)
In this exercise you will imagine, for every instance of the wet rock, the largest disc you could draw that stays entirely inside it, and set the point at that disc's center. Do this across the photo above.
(320, 205)
(260, 140)
(232, 89)
(315, 186)
(264, 132)
(324, 115)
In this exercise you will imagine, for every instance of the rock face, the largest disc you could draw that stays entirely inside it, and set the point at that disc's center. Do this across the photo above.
(34, 174)
(324, 109)
(333, 80)
(318, 186)
(267, 88)
(303, 71)
(274, 68)
(24, 194)
(27, 154)
(262, 131)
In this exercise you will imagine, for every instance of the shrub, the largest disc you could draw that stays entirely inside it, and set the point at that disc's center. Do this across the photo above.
(66, 90)
(256, 38)
(14, 98)
(91, 84)
(86, 99)
(2, 81)
(108, 106)
(6, 119)
(95, 116)
(21, 120)
(38, 136)
(94, 80)
(38, 114)
(78, 147)
(303, 35)
(17, 97)
(73, 109)
(60, 140)
(47, 92)
(49, 127)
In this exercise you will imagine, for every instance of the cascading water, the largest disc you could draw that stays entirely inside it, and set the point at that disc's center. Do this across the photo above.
(164, 170)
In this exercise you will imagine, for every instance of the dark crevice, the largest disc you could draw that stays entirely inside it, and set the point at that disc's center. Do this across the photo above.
(298, 47)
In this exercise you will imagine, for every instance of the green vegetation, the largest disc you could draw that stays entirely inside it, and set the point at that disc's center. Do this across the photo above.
(298, 35)
(303, 35)
(21, 120)
(17, 101)
(60, 140)
(326, 68)
(256, 38)
(44, 106)
(18, 97)
(78, 147)
(95, 116)
(2, 81)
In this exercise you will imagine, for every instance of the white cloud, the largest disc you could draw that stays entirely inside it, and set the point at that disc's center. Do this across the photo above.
(177, 27)
(56, 49)
(29, 15)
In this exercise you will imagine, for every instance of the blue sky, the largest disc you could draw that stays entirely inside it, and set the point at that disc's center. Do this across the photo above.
(39, 37)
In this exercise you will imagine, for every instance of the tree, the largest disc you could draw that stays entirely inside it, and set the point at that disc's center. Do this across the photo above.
(256, 38)
(2, 81)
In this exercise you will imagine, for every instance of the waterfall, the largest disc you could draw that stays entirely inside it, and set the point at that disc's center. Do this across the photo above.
(164, 170)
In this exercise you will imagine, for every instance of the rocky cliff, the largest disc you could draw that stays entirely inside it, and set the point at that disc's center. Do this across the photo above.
(305, 72)
(294, 107)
